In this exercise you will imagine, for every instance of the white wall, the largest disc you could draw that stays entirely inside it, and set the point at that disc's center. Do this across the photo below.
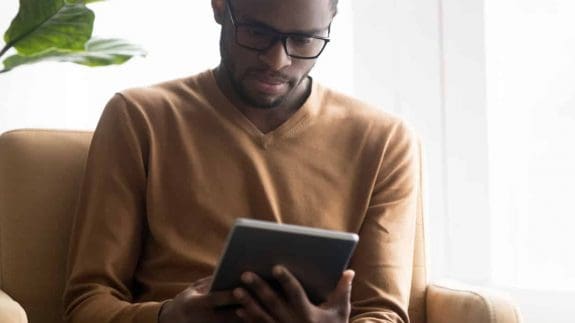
(532, 128)
(531, 108)
(466, 140)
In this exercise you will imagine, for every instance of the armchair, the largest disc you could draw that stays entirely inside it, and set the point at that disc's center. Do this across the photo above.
(40, 174)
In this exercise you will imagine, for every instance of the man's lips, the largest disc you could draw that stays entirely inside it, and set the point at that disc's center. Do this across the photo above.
(270, 84)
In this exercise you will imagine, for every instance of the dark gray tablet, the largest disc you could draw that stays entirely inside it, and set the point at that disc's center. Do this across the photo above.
(317, 257)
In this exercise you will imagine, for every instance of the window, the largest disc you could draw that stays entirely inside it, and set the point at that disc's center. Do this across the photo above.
(531, 114)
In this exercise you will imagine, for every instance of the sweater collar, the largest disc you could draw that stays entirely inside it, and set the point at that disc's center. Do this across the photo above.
(297, 120)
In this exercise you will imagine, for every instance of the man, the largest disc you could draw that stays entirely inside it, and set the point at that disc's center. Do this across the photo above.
(173, 165)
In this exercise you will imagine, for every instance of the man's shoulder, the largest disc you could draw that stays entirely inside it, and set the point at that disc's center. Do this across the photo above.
(379, 129)
(349, 109)
(160, 104)
(175, 91)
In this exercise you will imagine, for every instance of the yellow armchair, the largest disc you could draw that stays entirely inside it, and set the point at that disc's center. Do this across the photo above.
(40, 174)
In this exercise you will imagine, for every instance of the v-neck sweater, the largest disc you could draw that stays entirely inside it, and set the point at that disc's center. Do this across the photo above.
(172, 166)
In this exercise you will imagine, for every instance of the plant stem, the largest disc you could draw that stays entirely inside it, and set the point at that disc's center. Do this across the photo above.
(5, 49)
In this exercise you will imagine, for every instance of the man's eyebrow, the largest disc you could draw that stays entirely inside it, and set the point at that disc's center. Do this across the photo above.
(259, 24)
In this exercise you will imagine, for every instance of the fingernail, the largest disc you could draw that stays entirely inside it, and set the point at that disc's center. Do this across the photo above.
(278, 271)
(238, 293)
(247, 278)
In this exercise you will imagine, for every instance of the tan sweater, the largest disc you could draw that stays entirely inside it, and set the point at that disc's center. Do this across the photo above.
(173, 165)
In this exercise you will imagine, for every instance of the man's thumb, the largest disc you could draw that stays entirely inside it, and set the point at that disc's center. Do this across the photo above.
(342, 292)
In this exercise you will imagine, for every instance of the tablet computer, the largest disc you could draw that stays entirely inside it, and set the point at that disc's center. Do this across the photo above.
(316, 257)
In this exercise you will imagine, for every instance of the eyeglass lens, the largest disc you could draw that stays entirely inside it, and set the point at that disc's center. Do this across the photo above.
(261, 39)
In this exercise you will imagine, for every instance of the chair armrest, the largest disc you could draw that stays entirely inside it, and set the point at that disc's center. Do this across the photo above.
(469, 305)
(10, 310)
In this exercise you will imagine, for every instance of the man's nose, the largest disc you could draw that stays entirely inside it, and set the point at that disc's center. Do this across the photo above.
(276, 57)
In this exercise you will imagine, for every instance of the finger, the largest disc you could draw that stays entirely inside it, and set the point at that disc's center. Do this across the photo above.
(226, 315)
(294, 291)
(267, 296)
(224, 298)
(340, 297)
(250, 311)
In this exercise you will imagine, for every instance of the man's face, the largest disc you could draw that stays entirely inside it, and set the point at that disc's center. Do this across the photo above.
(268, 78)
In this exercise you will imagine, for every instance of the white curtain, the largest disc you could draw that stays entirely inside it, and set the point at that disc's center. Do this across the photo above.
(531, 101)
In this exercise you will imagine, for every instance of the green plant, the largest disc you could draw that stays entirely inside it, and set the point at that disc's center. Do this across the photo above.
(61, 30)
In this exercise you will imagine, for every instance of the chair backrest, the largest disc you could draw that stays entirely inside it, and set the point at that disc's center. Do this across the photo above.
(40, 175)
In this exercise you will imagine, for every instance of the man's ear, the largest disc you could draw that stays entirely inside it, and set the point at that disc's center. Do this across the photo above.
(219, 7)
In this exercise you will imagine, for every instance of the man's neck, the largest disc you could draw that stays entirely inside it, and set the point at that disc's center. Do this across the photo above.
(265, 120)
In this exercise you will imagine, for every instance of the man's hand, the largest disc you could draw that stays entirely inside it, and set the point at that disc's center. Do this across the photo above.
(195, 305)
(261, 304)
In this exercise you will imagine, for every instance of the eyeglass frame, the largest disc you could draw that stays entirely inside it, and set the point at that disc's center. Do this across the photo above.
(283, 37)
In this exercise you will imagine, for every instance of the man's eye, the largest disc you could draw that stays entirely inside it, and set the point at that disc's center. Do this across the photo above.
(258, 33)
(301, 40)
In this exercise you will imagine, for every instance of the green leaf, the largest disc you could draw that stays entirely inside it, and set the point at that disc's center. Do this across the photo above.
(84, 1)
(101, 52)
(44, 24)
(98, 52)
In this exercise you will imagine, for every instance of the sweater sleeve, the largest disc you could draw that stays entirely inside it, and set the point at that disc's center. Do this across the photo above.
(110, 224)
(384, 255)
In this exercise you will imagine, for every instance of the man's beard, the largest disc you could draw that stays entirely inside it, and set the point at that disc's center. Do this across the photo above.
(243, 93)
(250, 100)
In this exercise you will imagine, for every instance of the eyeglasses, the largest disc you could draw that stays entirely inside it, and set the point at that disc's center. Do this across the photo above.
(260, 39)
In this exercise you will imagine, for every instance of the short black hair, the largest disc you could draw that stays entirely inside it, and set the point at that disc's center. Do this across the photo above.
(333, 6)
